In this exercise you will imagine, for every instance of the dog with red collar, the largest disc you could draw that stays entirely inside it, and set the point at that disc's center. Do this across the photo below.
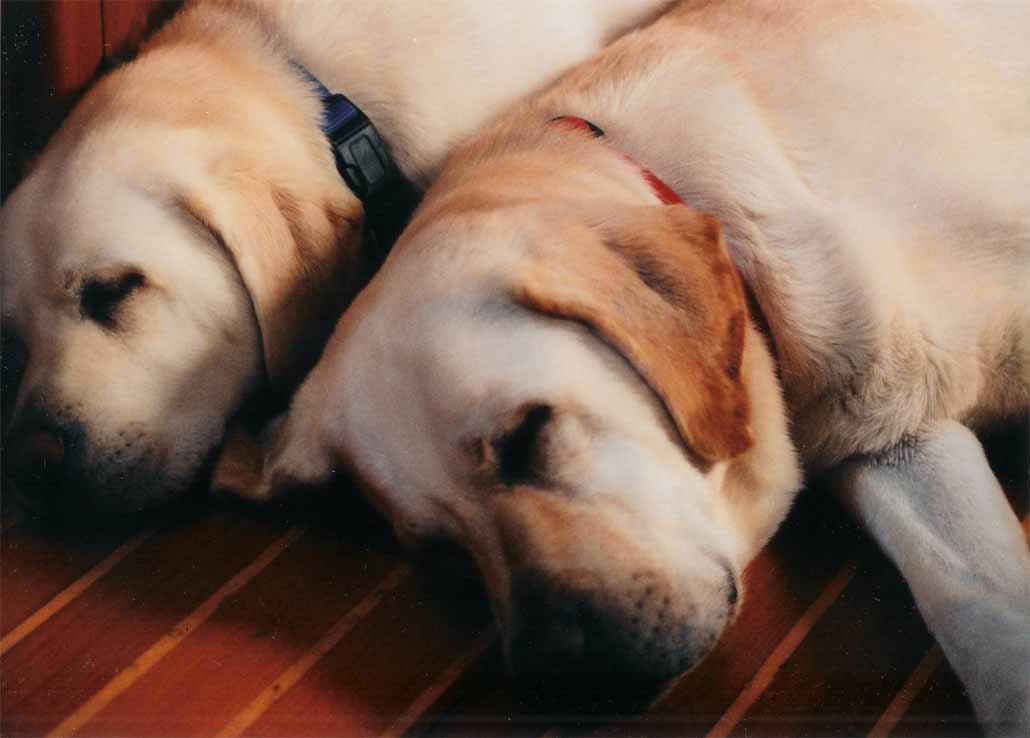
(558, 367)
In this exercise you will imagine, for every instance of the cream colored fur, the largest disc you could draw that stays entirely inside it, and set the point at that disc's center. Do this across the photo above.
(201, 165)
(870, 164)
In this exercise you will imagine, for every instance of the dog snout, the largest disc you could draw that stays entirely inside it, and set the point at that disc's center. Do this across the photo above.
(37, 452)
(576, 627)
(552, 624)
(36, 460)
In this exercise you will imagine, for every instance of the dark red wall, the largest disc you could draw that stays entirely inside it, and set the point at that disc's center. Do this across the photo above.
(51, 51)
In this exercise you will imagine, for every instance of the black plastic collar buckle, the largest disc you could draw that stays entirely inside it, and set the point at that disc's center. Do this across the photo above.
(367, 168)
(362, 158)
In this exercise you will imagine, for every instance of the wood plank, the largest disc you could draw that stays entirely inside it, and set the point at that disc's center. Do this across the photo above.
(411, 666)
(435, 689)
(941, 708)
(769, 670)
(223, 665)
(365, 684)
(70, 593)
(61, 665)
(297, 670)
(167, 643)
(35, 566)
(855, 660)
(902, 701)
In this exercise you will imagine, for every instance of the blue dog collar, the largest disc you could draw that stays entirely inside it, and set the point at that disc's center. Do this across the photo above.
(367, 168)
(361, 157)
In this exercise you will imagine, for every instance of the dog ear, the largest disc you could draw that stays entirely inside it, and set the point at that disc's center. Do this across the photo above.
(657, 284)
(298, 254)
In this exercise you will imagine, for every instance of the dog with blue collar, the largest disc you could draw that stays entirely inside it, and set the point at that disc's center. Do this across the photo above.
(191, 234)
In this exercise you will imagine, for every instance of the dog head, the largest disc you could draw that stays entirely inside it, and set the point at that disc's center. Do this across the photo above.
(575, 396)
(164, 257)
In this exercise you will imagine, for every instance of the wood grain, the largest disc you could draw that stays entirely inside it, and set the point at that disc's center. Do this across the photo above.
(58, 667)
(368, 681)
(247, 643)
(35, 567)
(862, 653)
(69, 594)
(941, 708)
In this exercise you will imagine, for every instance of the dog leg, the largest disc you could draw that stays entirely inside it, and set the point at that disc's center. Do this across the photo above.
(277, 461)
(936, 508)
(240, 465)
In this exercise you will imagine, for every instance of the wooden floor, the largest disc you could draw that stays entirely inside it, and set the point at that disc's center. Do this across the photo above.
(312, 624)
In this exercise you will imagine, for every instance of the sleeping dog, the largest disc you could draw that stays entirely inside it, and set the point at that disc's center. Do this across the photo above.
(608, 397)
(186, 237)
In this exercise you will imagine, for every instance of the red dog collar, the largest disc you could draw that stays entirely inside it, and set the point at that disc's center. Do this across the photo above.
(661, 190)
(669, 197)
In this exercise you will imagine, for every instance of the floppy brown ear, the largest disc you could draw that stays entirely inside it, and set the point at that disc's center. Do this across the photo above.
(298, 256)
(657, 284)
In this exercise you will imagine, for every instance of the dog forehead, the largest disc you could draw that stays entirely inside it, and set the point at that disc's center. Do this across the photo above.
(458, 363)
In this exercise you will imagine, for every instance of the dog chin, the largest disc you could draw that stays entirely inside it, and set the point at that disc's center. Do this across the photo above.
(106, 488)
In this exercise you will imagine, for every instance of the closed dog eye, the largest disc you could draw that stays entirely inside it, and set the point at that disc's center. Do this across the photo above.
(100, 297)
(518, 451)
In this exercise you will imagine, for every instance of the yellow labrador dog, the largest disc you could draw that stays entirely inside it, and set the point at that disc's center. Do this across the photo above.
(186, 236)
(609, 399)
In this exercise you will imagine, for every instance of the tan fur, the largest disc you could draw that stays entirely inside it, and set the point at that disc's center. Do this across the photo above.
(298, 260)
(868, 165)
(684, 333)
(202, 166)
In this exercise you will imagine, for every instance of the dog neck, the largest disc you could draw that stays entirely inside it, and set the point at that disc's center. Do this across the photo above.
(431, 74)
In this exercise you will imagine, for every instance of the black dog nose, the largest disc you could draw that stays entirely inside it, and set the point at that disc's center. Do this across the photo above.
(36, 462)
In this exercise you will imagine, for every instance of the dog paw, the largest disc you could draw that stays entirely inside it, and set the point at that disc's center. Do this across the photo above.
(239, 469)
